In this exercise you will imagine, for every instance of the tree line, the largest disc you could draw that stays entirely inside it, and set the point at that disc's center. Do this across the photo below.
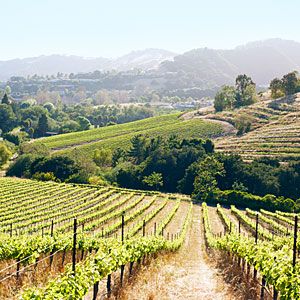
(34, 120)
(188, 166)
(244, 91)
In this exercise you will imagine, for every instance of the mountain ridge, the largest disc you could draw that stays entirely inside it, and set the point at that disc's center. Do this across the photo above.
(201, 67)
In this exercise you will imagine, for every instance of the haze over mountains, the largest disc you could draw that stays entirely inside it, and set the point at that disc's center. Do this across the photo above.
(51, 64)
(205, 68)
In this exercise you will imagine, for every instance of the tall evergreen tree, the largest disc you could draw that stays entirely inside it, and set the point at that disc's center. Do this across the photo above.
(5, 99)
(43, 125)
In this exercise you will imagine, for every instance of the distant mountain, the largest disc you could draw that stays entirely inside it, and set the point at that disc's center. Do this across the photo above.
(143, 59)
(200, 68)
(52, 64)
(262, 60)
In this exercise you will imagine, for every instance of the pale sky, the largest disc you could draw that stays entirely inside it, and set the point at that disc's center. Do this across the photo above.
(111, 28)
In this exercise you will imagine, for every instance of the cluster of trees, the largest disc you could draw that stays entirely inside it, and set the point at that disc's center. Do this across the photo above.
(188, 166)
(36, 162)
(156, 162)
(289, 84)
(108, 87)
(242, 94)
(28, 119)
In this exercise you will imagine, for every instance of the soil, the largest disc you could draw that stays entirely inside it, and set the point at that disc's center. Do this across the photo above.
(187, 274)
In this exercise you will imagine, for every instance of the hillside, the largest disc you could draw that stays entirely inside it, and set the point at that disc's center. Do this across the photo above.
(275, 129)
(131, 244)
(52, 64)
(196, 73)
(208, 68)
(120, 135)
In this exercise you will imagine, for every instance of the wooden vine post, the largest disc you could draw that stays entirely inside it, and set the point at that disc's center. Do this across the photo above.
(256, 229)
(74, 247)
(144, 227)
(295, 241)
(52, 251)
(122, 237)
(256, 238)
(123, 225)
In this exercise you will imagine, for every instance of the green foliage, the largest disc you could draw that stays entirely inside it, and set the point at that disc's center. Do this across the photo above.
(84, 123)
(7, 118)
(43, 125)
(138, 148)
(243, 94)
(238, 186)
(5, 99)
(168, 157)
(154, 180)
(119, 155)
(288, 85)
(120, 135)
(16, 137)
(243, 123)
(28, 103)
(225, 98)
(244, 199)
(5, 154)
(97, 180)
(22, 166)
(48, 176)
(205, 184)
(277, 88)
(102, 157)
(37, 148)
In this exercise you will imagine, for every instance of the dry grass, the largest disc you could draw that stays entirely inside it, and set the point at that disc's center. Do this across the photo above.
(185, 274)
(32, 275)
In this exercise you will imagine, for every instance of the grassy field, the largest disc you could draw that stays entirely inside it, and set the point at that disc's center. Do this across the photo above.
(120, 135)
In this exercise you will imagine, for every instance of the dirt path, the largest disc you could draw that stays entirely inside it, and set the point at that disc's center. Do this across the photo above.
(184, 275)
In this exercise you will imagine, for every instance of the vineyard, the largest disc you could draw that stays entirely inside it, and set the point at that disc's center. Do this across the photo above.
(120, 135)
(274, 132)
(65, 241)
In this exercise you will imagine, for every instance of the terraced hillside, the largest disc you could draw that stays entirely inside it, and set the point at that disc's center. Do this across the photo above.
(275, 130)
(120, 135)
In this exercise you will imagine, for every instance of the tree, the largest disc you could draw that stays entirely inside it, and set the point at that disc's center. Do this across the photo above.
(7, 118)
(119, 155)
(102, 157)
(243, 123)
(277, 88)
(43, 125)
(245, 90)
(290, 83)
(154, 180)
(138, 148)
(225, 98)
(84, 123)
(205, 184)
(62, 166)
(5, 154)
(7, 90)
(5, 99)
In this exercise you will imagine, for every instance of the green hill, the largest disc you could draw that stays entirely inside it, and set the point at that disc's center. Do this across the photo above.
(120, 135)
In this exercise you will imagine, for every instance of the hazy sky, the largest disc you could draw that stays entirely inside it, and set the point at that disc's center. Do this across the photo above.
(114, 27)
